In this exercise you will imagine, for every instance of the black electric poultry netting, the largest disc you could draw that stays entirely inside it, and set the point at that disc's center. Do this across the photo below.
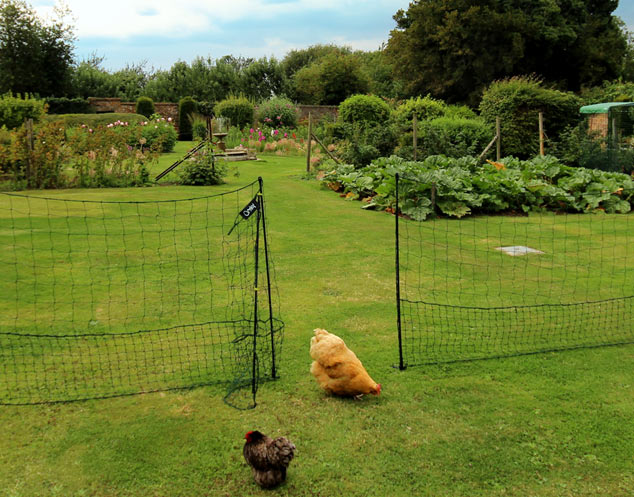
(493, 286)
(108, 298)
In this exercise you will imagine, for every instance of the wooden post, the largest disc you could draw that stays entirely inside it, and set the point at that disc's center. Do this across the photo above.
(415, 125)
(310, 139)
(30, 143)
(499, 139)
(541, 134)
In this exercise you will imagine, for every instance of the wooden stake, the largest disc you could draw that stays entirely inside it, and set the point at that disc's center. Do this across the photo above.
(326, 149)
(30, 143)
(541, 134)
(498, 134)
(310, 139)
(415, 125)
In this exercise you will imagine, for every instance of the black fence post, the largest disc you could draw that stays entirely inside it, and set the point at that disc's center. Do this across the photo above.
(254, 373)
(268, 279)
(401, 364)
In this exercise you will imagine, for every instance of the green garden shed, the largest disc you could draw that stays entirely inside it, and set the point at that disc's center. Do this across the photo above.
(612, 122)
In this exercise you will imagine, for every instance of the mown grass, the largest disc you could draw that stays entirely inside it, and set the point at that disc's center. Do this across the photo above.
(553, 424)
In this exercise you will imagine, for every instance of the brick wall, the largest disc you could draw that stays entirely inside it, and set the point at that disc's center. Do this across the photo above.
(101, 105)
(168, 109)
(598, 123)
(317, 111)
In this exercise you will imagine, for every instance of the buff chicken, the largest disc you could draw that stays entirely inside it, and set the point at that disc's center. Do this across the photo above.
(337, 369)
(268, 458)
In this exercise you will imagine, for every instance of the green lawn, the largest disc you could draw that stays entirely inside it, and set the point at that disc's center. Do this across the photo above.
(553, 424)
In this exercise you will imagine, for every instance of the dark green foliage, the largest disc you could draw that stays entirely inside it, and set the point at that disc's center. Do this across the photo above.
(455, 48)
(364, 108)
(330, 80)
(518, 101)
(202, 170)
(35, 57)
(94, 120)
(577, 147)
(464, 186)
(186, 107)
(64, 105)
(447, 136)
(297, 59)
(278, 112)
(263, 79)
(380, 74)
(206, 108)
(204, 79)
(362, 142)
(424, 108)
(239, 111)
(609, 91)
(145, 106)
(15, 109)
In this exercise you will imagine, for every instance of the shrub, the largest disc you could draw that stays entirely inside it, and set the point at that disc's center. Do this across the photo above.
(36, 162)
(364, 108)
(577, 147)
(609, 91)
(365, 142)
(145, 106)
(206, 109)
(425, 108)
(447, 136)
(202, 170)
(65, 105)
(158, 134)
(103, 157)
(518, 101)
(459, 111)
(15, 109)
(186, 107)
(94, 120)
(199, 126)
(239, 111)
(278, 112)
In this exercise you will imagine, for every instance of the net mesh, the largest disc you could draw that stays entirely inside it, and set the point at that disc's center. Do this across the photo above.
(108, 298)
(487, 286)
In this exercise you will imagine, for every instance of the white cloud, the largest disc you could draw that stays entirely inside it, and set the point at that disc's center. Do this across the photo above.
(124, 18)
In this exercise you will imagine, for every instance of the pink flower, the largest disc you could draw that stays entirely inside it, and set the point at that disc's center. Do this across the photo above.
(251, 131)
(285, 135)
(169, 119)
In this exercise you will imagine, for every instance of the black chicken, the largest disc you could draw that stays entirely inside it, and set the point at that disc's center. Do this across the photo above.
(268, 458)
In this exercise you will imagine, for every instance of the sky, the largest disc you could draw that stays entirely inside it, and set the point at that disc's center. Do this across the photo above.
(161, 32)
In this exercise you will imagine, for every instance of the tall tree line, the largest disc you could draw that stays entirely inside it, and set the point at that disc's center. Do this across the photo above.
(450, 49)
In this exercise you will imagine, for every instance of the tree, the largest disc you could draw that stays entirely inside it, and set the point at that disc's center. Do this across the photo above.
(380, 73)
(454, 48)
(330, 80)
(299, 59)
(34, 57)
(89, 79)
(263, 79)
